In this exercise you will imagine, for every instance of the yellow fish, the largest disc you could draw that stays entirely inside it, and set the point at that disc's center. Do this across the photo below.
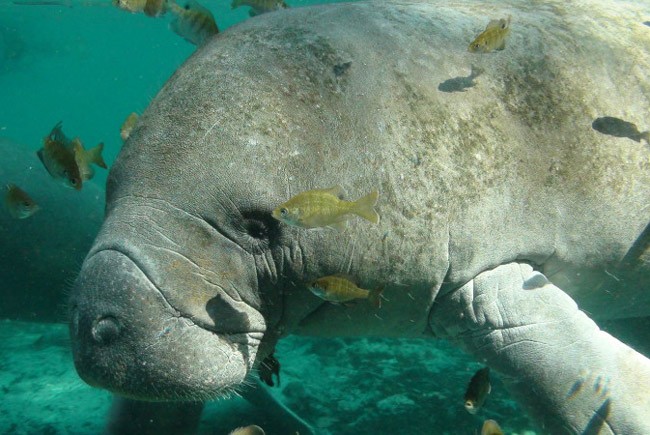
(260, 6)
(492, 38)
(152, 8)
(491, 427)
(323, 207)
(477, 390)
(337, 289)
(19, 203)
(128, 126)
(59, 159)
(84, 158)
(248, 430)
(193, 22)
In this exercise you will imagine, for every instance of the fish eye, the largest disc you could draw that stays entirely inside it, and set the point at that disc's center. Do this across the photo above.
(284, 211)
(73, 181)
(26, 204)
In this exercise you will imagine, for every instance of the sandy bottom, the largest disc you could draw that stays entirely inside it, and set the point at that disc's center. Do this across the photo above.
(341, 386)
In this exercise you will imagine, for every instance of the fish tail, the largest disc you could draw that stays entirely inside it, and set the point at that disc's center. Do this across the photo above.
(645, 136)
(174, 8)
(364, 207)
(374, 297)
(95, 155)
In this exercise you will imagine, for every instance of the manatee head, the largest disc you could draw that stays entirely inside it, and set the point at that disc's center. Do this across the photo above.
(165, 307)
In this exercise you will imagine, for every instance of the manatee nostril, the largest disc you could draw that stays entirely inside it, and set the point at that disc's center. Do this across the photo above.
(105, 329)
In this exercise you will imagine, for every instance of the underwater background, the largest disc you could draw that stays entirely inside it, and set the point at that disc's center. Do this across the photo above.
(89, 64)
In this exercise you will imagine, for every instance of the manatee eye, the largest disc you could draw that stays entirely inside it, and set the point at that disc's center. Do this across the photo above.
(284, 212)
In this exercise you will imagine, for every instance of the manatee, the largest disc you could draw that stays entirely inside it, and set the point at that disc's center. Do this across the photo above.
(508, 225)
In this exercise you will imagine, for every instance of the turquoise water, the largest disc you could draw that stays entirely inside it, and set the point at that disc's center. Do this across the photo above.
(90, 65)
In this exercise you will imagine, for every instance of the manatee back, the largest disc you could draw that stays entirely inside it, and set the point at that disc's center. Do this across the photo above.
(348, 94)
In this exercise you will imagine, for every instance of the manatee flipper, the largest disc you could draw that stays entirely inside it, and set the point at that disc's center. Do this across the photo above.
(259, 395)
(554, 359)
(135, 417)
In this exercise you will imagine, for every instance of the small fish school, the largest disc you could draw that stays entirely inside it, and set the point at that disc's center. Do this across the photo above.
(191, 20)
(67, 162)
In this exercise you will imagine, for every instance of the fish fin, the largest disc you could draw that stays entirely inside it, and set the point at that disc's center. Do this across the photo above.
(493, 24)
(364, 207)
(95, 155)
(40, 155)
(335, 190)
(235, 4)
(374, 297)
(152, 9)
(57, 132)
(338, 226)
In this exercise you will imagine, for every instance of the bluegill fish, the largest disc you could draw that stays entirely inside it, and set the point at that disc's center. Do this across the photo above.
(248, 430)
(59, 160)
(477, 390)
(19, 203)
(338, 289)
(323, 207)
(617, 127)
(84, 158)
(193, 22)
(128, 125)
(492, 38)
(260, 6)
(152, 8)
(491, 427)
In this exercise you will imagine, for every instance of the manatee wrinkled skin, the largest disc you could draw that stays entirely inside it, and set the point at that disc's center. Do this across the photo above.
(191, 282)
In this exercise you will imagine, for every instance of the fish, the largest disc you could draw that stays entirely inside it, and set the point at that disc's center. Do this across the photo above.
(84, 158)
(492, 38)
(260, 6)
(477, 390)
(323, 208)
(491, 427)
(128, 125)
(338, 289)
(19, 203)
(152, 8)
(460, 84)
(248, 430)
(193, 22)
(619, 128)
(59, 160)
(270, 366)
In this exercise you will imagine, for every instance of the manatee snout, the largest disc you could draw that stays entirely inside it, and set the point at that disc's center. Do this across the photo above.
(127, 338)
